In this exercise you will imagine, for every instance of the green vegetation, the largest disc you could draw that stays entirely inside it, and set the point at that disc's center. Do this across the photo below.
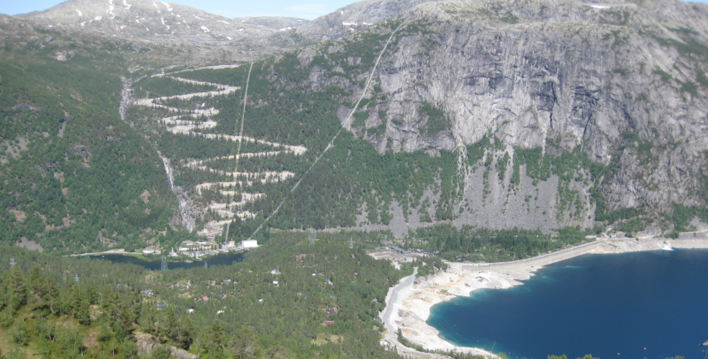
(435, 119)
(451, 354)
(451, 186)
(538, 166)
(48, 314)
(701, 78)
(683, 215)
(231, 77)
(485, 245)
(665, 76)
(690, 87)
(360, 119)
(501, 166)
(164, 86)
(621, 71)
(76, 181)
(350, 175)
(41, 307)
(688, 48)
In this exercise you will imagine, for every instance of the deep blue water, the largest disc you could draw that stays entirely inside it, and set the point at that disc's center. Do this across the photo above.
(222, 259)
(602, 305)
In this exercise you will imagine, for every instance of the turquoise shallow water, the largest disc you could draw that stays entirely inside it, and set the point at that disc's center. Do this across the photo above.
(611, 306)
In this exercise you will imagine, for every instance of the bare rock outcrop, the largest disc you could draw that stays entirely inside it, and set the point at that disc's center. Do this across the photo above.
(146, 344)
(625, 82)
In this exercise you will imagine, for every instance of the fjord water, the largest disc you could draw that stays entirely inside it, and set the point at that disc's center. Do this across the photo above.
(222, 259)
(610, 306)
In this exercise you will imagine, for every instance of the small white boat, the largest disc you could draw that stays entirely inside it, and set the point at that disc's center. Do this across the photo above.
(667, 247)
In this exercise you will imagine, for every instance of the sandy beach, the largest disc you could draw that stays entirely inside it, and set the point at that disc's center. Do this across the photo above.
(409, 303)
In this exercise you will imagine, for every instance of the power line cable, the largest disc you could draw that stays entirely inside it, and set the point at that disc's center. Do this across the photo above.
(331, 143)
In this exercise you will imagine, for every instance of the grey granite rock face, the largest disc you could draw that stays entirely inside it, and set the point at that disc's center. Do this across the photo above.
(623, 81)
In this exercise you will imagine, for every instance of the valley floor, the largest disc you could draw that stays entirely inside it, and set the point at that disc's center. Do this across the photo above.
(409, 303)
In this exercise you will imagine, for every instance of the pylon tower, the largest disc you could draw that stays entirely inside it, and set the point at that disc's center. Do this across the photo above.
(312, 237)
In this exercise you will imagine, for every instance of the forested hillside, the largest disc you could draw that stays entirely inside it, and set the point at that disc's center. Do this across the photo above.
(454, 113)
(74, 176)
(469, 142)
(66, 307)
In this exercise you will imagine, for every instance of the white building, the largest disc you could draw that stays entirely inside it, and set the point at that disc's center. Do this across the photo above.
(151, 251)
(249, 243)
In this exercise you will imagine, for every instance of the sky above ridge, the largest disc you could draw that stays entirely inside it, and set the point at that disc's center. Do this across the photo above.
(304, 9)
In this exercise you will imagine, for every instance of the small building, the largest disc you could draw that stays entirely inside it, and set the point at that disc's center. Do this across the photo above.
(205, 298)
(399, 250)
(405, 260)
(260, 300)
(331, 310)
(151, 251)
(249, 243)
(275, 283)
(147, 293)
(189, 246)
(328, 322)
(161, 306)
(219, 312)
(191, 311)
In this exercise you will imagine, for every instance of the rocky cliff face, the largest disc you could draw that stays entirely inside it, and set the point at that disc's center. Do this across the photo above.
(555, 109)
(625, 82)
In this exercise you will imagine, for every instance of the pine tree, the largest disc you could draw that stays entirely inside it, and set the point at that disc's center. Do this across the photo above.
(18, 288)
(215, 341)
(75, 299)
(244, 344)
(82, 314)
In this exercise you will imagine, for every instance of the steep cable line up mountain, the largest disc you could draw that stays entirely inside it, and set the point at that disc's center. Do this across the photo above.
(331, 143)
(243, 116)
(202, 119)
(551, 118)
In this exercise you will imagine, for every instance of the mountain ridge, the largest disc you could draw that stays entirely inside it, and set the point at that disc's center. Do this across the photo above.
(513, 114)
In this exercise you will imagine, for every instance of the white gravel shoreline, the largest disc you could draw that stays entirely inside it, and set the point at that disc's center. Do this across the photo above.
(408, 305)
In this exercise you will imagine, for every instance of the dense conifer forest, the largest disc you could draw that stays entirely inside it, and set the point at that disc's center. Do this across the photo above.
(59, 307)
(72, 172)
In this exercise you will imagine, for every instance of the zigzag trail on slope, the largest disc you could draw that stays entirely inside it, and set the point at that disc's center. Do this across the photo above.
(178, 125)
